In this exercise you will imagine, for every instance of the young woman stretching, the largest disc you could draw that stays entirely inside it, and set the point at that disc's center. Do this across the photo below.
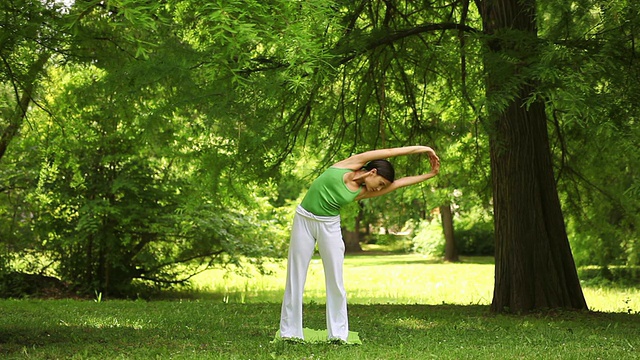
(317, 218)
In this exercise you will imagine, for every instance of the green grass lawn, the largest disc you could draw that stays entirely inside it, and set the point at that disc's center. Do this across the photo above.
(392, 279)
(395, 304)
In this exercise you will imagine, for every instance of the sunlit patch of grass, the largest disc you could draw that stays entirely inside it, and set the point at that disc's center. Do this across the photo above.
(613, 299)
(368, 279)
(414, 279)
(415, 323)
(106, 322)
(390, 279)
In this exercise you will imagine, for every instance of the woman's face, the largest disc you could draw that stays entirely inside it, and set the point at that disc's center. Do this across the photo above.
(375, 182)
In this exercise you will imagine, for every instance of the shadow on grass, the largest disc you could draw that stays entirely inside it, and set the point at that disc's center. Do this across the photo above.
(134, 329)
(21, 338)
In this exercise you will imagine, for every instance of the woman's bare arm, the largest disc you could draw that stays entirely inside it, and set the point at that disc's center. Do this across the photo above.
(405, 181)
(357, 161)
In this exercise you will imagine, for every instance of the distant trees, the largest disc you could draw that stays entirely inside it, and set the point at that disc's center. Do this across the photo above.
(593, 123)
(130, 178)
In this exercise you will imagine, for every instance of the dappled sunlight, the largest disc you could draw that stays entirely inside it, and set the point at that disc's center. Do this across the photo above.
(418, 281)
(389, 279)
(109, 322)
(613, 300)
(415, 323)
(396, 279)
(249, 285)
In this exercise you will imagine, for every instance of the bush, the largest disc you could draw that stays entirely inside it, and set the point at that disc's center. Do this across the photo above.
(22, 285)
(614, 276)
(473, 239)
(477, 240)
(429, 239)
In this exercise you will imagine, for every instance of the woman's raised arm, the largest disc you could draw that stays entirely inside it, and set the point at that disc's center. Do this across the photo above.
(357, 161)
(405, 181)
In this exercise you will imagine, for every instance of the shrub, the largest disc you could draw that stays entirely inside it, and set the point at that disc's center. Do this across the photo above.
(429, 239)
(477, 239)
(474, 239)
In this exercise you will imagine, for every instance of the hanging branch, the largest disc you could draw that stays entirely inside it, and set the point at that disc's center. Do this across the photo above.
(463, 72)
(395, 36)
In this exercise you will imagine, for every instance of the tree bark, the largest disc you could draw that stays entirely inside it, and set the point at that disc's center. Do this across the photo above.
(351, 241)
(534, 266)
(352, 238)
(450, 248)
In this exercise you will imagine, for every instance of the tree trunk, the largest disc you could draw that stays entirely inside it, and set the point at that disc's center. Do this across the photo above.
(352, 238)
(450, 248)
(534, 265)
(351, 241)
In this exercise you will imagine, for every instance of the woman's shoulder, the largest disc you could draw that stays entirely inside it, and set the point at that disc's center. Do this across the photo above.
(338, 168)
(336, 171)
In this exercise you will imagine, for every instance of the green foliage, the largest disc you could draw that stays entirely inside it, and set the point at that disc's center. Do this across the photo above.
(473, 234)
(15, 284)
(589, 73)
(473, 226)
(475, 238)
(126, 196)
(611, 276)
(123, 185)
(429, 239)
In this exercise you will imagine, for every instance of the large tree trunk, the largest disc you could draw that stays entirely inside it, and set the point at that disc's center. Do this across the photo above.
(534, 265)
(450, 248)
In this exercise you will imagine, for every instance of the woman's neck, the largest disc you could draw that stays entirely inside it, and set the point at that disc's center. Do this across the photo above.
(358, 177)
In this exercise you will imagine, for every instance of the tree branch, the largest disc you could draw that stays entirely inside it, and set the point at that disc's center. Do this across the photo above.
(16, 119)
(371, 42)
(398, 35)
(213, 254)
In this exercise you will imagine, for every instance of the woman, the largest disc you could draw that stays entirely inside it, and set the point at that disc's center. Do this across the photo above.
(317, 218)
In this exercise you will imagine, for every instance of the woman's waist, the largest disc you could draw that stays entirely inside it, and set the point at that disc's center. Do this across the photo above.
(323, 218)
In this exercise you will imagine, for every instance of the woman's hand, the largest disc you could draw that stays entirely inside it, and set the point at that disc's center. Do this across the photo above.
(434, 160)
(357, 161)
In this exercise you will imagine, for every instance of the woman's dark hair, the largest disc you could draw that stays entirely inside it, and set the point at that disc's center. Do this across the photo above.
(383, 167)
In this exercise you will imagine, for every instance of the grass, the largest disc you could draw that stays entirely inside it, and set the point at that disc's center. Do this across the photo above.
(397, 279)
(395, 303)
(392, 279)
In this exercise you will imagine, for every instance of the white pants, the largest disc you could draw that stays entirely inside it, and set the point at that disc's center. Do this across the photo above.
(307, 229)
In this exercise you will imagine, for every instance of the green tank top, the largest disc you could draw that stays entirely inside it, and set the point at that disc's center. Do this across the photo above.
(328, 193)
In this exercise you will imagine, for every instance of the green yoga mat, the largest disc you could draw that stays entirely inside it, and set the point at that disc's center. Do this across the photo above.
(321, 336)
